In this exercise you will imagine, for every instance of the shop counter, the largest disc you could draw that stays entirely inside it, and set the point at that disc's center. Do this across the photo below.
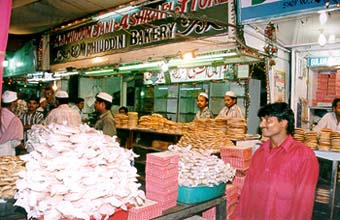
(334, 182)
(182, 211)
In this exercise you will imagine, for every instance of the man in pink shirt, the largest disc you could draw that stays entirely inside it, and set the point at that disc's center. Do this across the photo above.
(11, 129)
(283, 173)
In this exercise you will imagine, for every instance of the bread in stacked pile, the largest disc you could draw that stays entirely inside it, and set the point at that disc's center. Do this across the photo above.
(154, 121)
(311, 139)
(322, 194)
(335, 141)
(132, 119)
(236, 128)
(205, 139)
(299, 134)
(325, 139)
(121, 120)
(158, 123)
(10, 166)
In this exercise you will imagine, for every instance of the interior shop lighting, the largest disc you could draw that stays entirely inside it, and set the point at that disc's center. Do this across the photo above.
(327, 3)
(202, 60)
(331, 39)
(5, 63)
(54, 87)
(323, 17)
(115, 12)
(99, 60)
(42, 80)
(41, 77)
(141, 66)
(187, 55)
(165, 67)
(322, 39)
(99, 71)
(64, 73)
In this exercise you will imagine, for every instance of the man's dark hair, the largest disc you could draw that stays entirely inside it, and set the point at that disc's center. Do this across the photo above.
(107, 104)
(124, 108)
(282, 111)
(335, 102)
(34, 98)
(6, 104)
(79, 100)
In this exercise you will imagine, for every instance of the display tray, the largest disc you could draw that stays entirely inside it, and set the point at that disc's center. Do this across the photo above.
(191, 195)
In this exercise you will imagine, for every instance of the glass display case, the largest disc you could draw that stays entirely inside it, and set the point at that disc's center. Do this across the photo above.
(327, 199)
(177, 102)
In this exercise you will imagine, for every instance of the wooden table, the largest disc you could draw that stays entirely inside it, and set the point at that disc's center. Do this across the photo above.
(182, 211)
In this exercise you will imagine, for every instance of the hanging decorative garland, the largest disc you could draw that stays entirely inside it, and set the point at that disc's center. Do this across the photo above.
(270, 38)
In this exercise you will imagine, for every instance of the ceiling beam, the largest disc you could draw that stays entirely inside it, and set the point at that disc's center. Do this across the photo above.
(22, 3)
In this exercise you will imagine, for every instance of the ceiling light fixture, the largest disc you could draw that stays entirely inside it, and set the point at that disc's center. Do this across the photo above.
(99, 71)
(323, 17)
(331, 39)
(322, 39)
(141, 66)
(187, 55)
(327, 3)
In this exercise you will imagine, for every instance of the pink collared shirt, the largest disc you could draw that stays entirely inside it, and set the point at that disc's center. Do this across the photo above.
(11, 127)
(280, 183)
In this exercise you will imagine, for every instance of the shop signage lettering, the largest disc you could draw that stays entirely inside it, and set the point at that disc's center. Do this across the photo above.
(167, 22)
(258, 10)
(197, 74)
(323, 61)
(150, 35)
(295, 3)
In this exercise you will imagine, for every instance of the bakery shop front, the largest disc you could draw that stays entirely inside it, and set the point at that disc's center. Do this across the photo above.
(138, 53)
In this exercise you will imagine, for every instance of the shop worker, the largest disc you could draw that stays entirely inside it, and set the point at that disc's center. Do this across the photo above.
(106, 122)
(63, 114)
(31, 116)
(231, 109)
(123, 110)
(79, 106)
(283, 173)
(11, 129)
(51, 102)
(42, 106)
(330, 120)
(202, 103)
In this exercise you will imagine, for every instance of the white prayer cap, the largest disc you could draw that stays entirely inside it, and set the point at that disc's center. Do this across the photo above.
(230, 94)
(9, 96)
(61, 94)
(104, 96)
(42, 99)
(204, 95)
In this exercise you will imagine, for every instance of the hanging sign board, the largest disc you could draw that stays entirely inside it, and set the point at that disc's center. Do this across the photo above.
(323, 61)
(170, 21)
(22, 61)
(197, 74)
(259, 10)
(243, 71)
(152, 78)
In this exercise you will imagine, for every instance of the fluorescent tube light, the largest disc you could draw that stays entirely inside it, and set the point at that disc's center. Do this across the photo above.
(141, 66)
(99, 71)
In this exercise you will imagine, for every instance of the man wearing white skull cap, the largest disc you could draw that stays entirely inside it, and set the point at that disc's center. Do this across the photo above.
(63, 114)
(231, 109)
(11, 129)
(202, 103)
(106, 122)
